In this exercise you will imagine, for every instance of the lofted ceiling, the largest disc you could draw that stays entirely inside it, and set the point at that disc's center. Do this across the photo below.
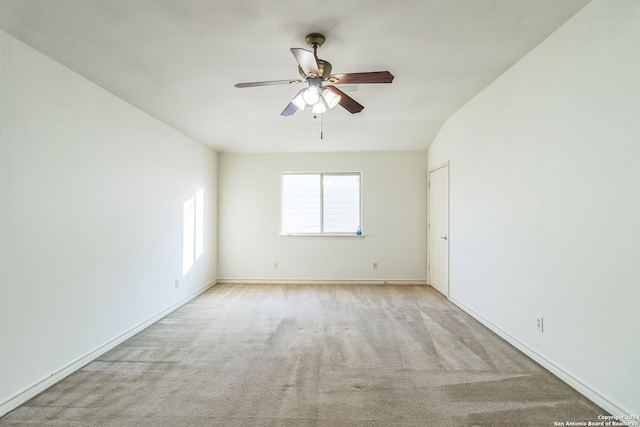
(178, 60)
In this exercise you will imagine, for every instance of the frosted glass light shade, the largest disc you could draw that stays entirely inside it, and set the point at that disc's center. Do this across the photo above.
(332, 99)
(299, 101)
(311, 95)
(319, 108)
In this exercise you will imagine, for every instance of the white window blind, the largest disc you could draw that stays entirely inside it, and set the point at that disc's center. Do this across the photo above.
(300, 204)
(321, 203)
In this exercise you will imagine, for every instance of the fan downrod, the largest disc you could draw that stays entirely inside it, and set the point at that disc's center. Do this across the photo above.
(315, 40)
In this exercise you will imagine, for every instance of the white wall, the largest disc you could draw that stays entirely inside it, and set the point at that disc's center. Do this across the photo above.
(91, 202)
(545, 202)
(394, 220)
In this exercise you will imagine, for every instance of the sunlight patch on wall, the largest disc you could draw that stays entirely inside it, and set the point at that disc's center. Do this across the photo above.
(199, 231)
(192, 230)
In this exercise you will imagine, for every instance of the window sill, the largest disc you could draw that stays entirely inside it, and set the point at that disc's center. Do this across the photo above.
(322, 235)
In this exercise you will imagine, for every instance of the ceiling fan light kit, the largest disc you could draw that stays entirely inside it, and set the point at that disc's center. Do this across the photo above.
(316, 72)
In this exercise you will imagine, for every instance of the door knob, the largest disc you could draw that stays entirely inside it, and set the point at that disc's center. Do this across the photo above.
(444, 237)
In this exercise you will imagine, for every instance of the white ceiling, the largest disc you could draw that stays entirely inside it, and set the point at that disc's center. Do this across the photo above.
(178, 60)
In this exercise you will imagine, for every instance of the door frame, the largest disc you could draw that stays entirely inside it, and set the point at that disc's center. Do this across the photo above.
(434, 168)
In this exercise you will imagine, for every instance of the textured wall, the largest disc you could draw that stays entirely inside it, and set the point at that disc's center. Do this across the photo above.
(545, 195)
(394, 197)
(91, 204)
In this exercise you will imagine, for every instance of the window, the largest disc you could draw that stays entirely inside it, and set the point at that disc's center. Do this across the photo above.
(321, 203)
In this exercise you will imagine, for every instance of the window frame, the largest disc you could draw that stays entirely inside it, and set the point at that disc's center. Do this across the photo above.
(322, 233)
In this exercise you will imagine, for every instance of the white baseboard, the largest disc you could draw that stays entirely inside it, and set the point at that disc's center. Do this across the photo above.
(43, 384)
(573, 382)
(321, 282)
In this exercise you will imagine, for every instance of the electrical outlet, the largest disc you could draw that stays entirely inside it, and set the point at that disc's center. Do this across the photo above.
(275, 266)
(375, 265)
(177, 283)
(540, 323)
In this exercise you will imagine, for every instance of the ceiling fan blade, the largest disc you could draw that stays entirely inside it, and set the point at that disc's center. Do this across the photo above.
(307, 61)
(290, 110)
(348, 103)
(362, 78)
(269, 83)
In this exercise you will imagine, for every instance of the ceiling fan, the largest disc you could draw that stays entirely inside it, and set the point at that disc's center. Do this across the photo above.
(316, 73)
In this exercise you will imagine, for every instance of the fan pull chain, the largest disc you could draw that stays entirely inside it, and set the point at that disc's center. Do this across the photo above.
(321, 126)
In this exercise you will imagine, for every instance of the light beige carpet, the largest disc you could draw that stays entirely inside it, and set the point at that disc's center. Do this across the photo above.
(310, 355)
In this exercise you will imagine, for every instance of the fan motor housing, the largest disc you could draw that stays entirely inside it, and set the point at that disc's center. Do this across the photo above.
(324, 67)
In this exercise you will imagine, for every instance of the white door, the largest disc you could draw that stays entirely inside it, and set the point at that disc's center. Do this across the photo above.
(438, 229)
